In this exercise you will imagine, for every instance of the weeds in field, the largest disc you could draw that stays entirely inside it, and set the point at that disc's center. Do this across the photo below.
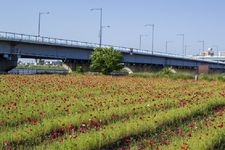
(103, 112)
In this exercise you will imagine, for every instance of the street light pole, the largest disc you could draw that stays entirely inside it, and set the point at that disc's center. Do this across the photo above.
(183, 48)
(203, 45)
(153, 30)
(39, 24)
(39, 21)
(140, 40)
(101, 20)
(167, 45)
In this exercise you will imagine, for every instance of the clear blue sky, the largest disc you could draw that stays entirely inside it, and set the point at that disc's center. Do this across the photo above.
(72, 19)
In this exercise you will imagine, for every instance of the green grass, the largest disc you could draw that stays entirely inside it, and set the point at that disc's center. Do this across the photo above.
(92, 112)
(183, 76)
(206, 138)
(39, 67)
(135, 126)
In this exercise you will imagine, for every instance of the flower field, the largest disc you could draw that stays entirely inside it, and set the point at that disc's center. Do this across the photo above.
(82, 112)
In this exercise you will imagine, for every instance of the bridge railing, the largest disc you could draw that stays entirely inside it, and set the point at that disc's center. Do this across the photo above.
(74, 43)
(48, 40)
(42, 39)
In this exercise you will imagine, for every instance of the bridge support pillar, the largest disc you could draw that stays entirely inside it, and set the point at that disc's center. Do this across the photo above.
(144, 67)
(7, 63)
(73, 64)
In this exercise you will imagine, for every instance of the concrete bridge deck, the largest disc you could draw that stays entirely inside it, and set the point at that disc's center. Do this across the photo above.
(14, 46)
(211, 58)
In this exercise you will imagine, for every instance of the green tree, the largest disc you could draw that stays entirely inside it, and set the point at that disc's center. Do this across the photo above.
(106, 60)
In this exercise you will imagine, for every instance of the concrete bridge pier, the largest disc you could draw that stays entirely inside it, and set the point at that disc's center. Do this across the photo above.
(7, 63)
(157, 68)
(73, 64)
(143, 67)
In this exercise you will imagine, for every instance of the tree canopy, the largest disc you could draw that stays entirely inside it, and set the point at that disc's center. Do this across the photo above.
(106, 60)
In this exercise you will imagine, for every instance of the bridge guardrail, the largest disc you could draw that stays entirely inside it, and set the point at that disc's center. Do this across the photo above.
(64, 42)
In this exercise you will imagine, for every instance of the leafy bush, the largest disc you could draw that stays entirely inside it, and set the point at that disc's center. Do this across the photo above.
(106, 60)
(167, 71)
(221, 78)
(79, 69)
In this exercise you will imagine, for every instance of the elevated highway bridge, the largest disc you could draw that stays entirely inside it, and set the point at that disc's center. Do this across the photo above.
(14, 46)
(212, 58)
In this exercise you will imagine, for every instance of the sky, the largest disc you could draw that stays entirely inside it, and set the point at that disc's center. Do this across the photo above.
(72, 19)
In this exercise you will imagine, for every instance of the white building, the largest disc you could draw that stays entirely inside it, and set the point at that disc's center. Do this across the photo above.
(209, 52)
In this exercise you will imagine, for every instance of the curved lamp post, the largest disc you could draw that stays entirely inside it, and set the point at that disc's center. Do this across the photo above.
(153, 30)
(101, 27)
(39, 21)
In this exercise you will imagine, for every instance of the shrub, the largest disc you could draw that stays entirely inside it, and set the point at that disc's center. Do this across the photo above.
(168, 71)
(221, 78)
(79, 69)
(106, 60)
